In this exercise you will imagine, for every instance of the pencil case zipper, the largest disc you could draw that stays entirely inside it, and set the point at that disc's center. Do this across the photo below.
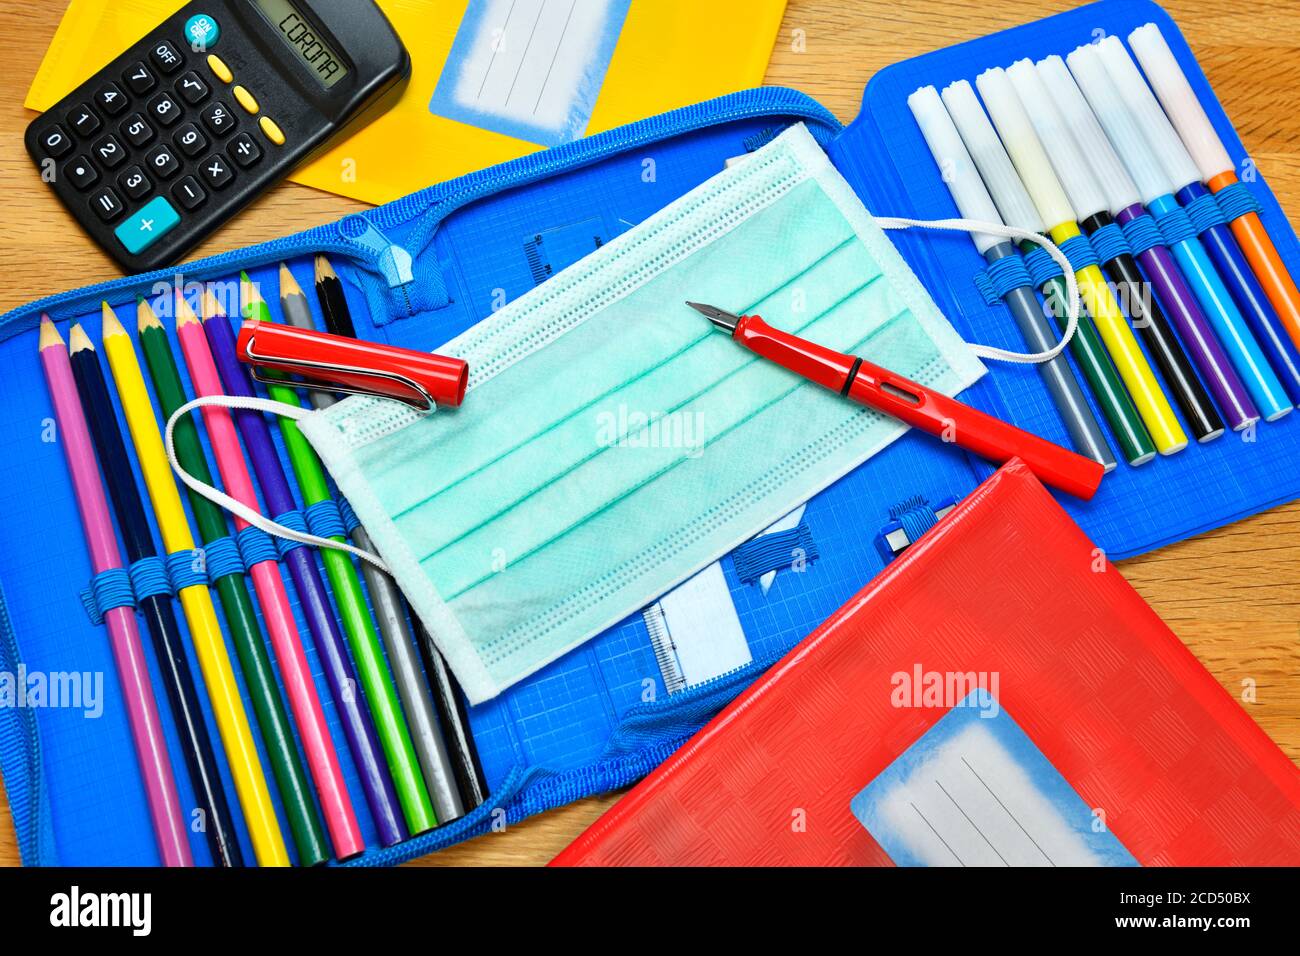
(384, 243)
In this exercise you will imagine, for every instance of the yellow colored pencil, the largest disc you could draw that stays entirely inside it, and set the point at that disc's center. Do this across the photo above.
(196, 600)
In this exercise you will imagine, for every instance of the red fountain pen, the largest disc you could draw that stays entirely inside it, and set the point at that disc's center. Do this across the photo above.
(930, 411)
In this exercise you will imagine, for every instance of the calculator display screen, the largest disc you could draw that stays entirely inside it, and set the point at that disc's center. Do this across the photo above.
(301, 35)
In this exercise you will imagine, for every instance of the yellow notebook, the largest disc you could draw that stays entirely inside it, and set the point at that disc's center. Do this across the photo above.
(491, 79)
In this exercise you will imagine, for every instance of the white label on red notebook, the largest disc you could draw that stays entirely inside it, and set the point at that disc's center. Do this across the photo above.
(975, 790)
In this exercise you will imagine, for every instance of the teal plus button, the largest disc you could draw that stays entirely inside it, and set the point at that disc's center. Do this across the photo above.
(147, 226)
(201, 32)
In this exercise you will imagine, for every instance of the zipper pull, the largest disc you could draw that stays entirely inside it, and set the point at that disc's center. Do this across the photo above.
(391, 260)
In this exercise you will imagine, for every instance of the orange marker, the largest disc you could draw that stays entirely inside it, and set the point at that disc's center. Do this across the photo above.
(1217, 169)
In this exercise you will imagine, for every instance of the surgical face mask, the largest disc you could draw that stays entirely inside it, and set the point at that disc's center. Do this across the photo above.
(611, 443)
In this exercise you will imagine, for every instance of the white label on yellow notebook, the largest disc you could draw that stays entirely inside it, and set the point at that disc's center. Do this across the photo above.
(530, 69)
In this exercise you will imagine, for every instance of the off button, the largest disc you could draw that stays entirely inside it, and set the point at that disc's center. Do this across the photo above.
(201, 32)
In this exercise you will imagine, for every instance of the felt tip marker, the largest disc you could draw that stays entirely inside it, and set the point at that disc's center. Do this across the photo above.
(1155, 172)
(1162, 271)
(1220, 176)
(1017, 209)
(974, 202)
(1090, 205)
(1044, 188)
(1252, 251)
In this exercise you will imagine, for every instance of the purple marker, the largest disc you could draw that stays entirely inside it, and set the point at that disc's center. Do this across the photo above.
(312, 596)
(1172, 292)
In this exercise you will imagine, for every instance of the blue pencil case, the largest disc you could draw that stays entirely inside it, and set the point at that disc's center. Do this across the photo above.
(421, 270)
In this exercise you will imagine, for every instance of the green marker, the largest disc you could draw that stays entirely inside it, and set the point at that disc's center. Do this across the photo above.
(372, 670)
(237, 606)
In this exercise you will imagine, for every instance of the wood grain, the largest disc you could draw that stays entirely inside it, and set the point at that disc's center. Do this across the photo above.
(1231, 595)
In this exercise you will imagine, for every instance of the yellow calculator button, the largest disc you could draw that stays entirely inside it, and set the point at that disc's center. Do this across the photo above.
(272, 131)
(246, 100)
(218, 66)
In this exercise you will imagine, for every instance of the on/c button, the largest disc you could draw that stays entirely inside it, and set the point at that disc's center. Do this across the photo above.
(154, 220)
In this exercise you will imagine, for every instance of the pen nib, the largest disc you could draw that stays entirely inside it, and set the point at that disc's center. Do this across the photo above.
(720, 317)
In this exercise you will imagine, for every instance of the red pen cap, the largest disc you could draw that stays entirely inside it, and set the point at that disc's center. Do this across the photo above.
(342, 364)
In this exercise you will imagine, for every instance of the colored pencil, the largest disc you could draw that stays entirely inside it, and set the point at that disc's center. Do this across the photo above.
(1217, 238)
(1158, 263)
(1090, 207)
(196, 600)
(390, 614)
(1045, 190)
(124, 636)
(385, 708)
(312, 595)
(200, 760)
(974, 202)
(1017, 209)
(1217, 169)
(236, 604)
(1155, 184)
(447, 695)
(454, 718)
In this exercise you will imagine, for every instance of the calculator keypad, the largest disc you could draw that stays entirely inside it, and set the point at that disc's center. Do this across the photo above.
(154, 137)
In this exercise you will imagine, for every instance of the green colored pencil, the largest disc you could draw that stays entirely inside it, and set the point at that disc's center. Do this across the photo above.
(237, 606)
(372, 669)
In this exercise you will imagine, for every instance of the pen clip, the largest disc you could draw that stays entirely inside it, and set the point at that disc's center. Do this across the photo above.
(419, 399)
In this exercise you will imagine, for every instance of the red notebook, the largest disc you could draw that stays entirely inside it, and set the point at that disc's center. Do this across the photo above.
(999, 694)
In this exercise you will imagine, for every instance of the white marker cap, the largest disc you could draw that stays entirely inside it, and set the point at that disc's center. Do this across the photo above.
(954, 162)
(990, 158)
(1118, 122)
(1176, 96)
(1026, 151)
(1121, 192)
(1066, 157)
(1169, 149)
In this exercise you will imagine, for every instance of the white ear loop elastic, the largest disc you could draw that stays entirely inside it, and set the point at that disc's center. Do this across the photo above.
(263, 523)
(238, 508)
(1010, 232)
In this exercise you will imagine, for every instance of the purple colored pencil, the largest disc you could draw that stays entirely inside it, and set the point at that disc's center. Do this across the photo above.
(1202, 345)
(314, 599)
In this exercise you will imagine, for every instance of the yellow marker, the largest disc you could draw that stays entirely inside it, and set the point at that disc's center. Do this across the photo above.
(196, 601)
(272, 131)
(246, 99)
(1045, 190)
(1150, 399)
(218, 66)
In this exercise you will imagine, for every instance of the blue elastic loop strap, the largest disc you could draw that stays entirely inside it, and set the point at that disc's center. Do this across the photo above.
(1080, 252)
(324, 520)
(149, 578)
(295, 521)
(223, 558)
(350, 520)
(183, 573)
(771, 552)
(1205, 213)
(1176, 226)
(1006, 274)
(1142, 234)
(985, 286)
(1042, 267)
(107, 590)
(255, 546)
(1236, 201)
(1109, 243)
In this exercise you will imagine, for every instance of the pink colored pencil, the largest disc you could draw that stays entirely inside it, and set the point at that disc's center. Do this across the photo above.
(322, 758)
(124, 634)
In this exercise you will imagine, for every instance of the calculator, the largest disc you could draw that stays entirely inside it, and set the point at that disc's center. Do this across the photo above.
(216, 104)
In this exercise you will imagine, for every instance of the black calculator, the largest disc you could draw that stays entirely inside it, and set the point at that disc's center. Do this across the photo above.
(213, 106)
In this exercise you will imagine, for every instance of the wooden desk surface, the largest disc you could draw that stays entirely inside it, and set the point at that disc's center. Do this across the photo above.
(1233, 596)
